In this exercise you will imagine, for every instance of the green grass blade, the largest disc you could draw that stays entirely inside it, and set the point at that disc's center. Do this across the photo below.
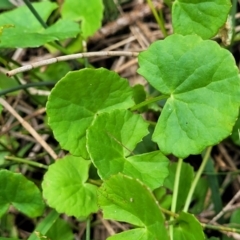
(45, 225)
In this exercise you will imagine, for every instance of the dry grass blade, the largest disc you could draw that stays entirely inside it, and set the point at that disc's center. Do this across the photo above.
(29, 128)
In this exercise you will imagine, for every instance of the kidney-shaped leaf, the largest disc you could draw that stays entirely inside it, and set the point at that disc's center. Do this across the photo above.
(77, 98)
(18, 191)
(203, 18)
(21, 21)
(65, 187)
(89, 12)
(111, 141)
(126, 199)
(203, 85)
(187, 228)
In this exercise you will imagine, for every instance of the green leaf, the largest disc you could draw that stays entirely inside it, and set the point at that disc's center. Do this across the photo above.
(203, 85)
(235, 217)
(185, 181)
(63, 29)
(5, 4)
(90, 13)
(21, 193)
(162, 196)
(236, 132)
(60, 230)
(22, 17)
(65, 187)
(22, 21)
(126, 199)
(6, 82)
(203, 18)
(111, 141)
(188, 228)
(200, 193)
(3, 238)
(78, 98)
(139, 95)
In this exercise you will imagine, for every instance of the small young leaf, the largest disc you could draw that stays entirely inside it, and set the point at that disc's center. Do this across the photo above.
(203, 18)
(65, 188)
(23, 194)
(89, 12)
(77, 98)
(203, 85)
(188, 228)
(111, 141)
(125, 199)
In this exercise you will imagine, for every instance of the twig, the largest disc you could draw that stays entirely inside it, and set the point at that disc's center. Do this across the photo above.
(5, 129)
(125, 20)
(69, 57)
(29, 128)
(225, 209)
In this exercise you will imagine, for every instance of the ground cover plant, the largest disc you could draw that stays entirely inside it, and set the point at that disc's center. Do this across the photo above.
(118, 151)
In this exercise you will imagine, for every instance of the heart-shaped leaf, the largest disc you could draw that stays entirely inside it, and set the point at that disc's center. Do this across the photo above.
(66, 190)
(90, 13)
(76, 100)
(203, 85)
(23, 194)
(203, 18)
(111, 140)
(125, 199)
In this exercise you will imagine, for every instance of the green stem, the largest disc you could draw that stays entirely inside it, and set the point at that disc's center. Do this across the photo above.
(88, 228)
(25, 86)
(147, 102)
(159, 21)
(26, 161)
(175, 194)
(169, 213)
(196, 179)
(204, 225)
(35, 13)
(95, 182)
(220, 228)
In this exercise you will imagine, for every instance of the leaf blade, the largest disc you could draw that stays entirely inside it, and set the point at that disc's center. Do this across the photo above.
(203, 88)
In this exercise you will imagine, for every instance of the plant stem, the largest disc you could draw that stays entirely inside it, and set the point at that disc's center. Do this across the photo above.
(204, 225)
(24, 86)
(196, 179)
(95, 182)
(41, 21)
(88, 227)
(26, 161)
(35, 13)
(159, 21)
(175, 193)
(147, 102)
(220, 228)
